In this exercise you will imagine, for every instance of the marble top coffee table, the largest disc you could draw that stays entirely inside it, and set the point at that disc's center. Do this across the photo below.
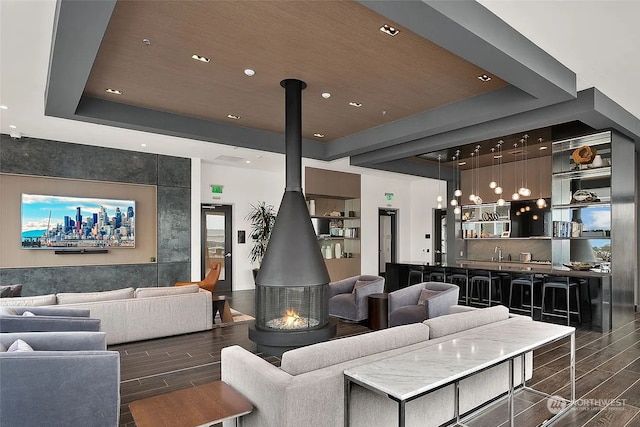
(416, 373)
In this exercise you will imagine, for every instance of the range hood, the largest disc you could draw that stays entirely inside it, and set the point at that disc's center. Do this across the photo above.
(293, 255)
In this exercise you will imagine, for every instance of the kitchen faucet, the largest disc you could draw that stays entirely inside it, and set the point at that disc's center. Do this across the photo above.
(498, 250)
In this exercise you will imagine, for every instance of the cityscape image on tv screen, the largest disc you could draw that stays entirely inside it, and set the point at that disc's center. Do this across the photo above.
(55, 222)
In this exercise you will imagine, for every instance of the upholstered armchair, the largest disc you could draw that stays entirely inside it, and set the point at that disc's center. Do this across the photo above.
(412, 305)
(69, 379)
(348, 297)
(47, 319)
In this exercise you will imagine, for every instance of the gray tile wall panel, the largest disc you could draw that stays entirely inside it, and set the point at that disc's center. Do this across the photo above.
(41, 157)
(174, 224)
(174, 171)
(171, 272)
(51, 280)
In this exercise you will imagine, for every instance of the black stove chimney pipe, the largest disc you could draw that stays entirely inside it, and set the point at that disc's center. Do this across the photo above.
(293, 255)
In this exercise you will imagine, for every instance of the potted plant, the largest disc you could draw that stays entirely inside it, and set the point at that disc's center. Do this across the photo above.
(261, 217)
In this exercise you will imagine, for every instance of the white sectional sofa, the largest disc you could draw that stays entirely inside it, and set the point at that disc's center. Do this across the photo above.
(308, 388)
(132, 315)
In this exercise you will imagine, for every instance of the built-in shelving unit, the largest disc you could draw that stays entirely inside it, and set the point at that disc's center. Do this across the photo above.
(485, 221)
(336, 192)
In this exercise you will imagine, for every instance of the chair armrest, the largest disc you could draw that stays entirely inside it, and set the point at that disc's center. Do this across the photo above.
(441, 304)
(405, 296)
(343, 286)
(362, 292)
(48, 324)
(262, 383)
(53, 311)
(60, 388)
(58, 341)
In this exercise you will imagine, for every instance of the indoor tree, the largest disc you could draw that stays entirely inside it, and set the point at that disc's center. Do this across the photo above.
(261, 217)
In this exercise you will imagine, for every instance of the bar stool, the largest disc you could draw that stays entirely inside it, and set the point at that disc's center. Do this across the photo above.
(437, 276)
(566, 284)
(415, 276)
(483, 279)
(461, 278)
(524, 281)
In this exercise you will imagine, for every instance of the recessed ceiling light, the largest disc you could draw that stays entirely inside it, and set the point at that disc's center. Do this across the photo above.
(200, 58)
(113, 91)
(143, 145)
(12, 126)
(326, 95)
(355, 104)
(233, 116)
(484, 78)
(387, 29)
(462, 163)
(249, 72)
(319, 135)
(544, 147)
(4, 107)
(146, 42)
(497, 156)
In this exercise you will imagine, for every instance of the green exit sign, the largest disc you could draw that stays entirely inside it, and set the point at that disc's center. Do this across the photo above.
(389, 196)
(216, 189)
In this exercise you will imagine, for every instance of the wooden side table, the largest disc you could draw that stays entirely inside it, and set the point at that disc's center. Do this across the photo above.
(378, 311)
(221, 305)
(203, 405)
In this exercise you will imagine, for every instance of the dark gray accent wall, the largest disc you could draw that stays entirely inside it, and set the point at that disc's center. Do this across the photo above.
(171, 175)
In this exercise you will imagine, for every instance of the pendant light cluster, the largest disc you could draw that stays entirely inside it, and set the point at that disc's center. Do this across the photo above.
(524, 190)
(475, 177)
(498, 189)
(541, 202)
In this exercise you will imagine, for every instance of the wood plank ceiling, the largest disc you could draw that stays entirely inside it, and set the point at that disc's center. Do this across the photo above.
(334, 46)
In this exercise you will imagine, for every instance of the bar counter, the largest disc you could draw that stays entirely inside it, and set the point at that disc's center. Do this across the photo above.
(397, 276)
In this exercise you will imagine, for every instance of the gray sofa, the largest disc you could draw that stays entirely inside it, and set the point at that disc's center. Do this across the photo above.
(132, 315)
(68, 380)
(348, 298)
(47, 319)
(308, 388)
(404, 308)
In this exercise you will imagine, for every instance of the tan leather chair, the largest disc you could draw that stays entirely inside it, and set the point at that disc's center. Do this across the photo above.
(209, 283)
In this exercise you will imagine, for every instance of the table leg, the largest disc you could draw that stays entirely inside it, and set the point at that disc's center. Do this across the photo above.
(401, 420)
(511, 392)
(347, 395)
(573, 367)
(456, 401)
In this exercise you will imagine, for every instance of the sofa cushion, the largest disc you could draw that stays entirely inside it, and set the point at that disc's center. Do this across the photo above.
(166, 290)
(407, 314)
(19, 346)
(426, 294)
(328, 353)
(452, 323)
(80, 297)
(2, 348)
(34, 301)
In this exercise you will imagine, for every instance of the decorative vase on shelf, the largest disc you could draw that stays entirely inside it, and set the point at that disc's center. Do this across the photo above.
(312, 207)
(597, 161)
(328, 252)
(338, 250)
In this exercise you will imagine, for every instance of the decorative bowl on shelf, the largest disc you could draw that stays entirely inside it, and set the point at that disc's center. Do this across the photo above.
(584, 196)
(581, 266)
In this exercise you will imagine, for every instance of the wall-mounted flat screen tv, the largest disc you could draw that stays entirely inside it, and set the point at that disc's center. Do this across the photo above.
(58, 222)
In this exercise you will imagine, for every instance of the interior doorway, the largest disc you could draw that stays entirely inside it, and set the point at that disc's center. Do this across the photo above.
(216, 241)
(387, 230)
(439, 236)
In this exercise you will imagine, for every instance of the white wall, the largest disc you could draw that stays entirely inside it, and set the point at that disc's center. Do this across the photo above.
(242, 188)
(413, 197)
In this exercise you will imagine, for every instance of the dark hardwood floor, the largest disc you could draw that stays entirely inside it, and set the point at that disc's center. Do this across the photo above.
(607, 371)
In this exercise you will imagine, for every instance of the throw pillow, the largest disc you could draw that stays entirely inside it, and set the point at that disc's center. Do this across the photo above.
(19, 346)
(2, 348)
(360, 283)
(16, 290)
(5, 291)
(27, 314)
(426, 294)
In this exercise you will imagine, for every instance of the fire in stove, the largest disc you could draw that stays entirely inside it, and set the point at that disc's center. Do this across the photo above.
(292, 320)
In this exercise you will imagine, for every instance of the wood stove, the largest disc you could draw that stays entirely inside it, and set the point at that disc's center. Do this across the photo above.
(292, 287)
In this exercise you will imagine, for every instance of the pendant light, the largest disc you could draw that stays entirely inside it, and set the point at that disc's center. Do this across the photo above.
(493, 184)
(477, 200)
(454, 201)
(524, 190)
(541, 202)
(515, 195)
(498, 190)
(472, 195)
(439, 198)
(457, 192)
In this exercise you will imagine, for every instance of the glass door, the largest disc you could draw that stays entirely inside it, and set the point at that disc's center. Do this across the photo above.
(216, 243)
